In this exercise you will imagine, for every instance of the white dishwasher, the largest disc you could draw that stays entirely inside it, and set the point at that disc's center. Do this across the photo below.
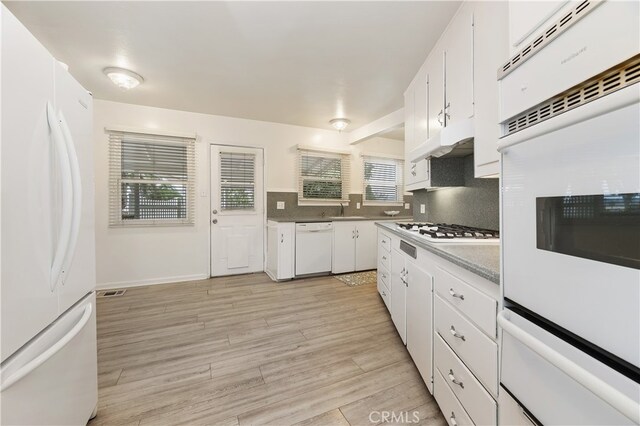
(313, 247)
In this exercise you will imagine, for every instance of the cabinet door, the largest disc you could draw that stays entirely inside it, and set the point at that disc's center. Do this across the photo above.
(398, 293)
(458, 43)
(420, 320)
(272, 251)
(490, 28)
(435, 109)
(28, 304)
(286, 250)
(344, 247)
(366, 246)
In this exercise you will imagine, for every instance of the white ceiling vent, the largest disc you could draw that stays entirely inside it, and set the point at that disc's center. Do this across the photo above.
(616, 78)
(557, 28)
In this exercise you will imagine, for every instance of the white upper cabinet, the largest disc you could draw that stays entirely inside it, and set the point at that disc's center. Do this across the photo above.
(461, 83)
(435, 75)
(457, 43)
(491, 51)
(415, 130)
(526, 18)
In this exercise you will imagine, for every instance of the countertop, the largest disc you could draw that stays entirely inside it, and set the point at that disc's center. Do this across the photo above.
(337, 218)
(481, 259)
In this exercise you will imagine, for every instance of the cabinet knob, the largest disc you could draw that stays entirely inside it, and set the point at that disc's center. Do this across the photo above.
(214, 221)
(452, 377)
(452, 418)
(457, 335)
(456, 295)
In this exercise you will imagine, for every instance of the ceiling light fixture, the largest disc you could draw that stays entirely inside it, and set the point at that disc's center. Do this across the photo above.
(122, 78)
(339, 123)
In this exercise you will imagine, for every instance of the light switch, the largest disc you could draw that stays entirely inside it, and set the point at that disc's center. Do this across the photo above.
(357, 205)
(280, 205)
(407, 206)
(423, 208)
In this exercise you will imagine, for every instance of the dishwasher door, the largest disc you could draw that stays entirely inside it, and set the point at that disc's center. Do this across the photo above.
(314, 243)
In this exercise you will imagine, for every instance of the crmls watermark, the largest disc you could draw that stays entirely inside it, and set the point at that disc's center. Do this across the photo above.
(393, 417)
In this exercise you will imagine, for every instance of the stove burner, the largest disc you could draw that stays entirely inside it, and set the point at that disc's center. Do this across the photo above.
(449, 231)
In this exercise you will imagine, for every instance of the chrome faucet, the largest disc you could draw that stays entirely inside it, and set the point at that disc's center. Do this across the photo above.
(341, 210)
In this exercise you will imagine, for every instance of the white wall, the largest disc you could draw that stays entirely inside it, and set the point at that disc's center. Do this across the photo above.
(133, 256)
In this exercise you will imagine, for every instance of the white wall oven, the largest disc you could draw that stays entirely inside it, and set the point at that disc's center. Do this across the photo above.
(571, 220)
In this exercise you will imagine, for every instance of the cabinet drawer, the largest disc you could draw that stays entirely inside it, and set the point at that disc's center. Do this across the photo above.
(384, 260)
(478, 352)
(384, 242)
(384, 275)
(476, 400)
(384, 293)
(480, 308)
(449, 404)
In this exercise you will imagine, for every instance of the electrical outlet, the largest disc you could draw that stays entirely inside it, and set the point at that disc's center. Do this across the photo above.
(357, 205)
(280, 205)
(423, 208)
(407, 206)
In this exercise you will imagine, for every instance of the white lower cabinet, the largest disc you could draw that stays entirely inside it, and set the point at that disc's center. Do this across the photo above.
(281, 250)
(446, 316)
(398, 294)
(354, 246)
(420, 320)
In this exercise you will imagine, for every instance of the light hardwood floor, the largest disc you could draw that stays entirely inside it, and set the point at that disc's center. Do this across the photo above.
(245, 350)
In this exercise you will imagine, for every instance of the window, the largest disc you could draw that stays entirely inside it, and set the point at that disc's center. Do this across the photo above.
(237, 181)
(322, 176)
(151, 179)
(382, 180)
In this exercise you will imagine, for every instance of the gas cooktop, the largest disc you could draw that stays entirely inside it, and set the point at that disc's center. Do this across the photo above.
(450, 233)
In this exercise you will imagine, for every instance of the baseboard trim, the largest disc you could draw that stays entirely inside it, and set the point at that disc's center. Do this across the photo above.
(150, 281)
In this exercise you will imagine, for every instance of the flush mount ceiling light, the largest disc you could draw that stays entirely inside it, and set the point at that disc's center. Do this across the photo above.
(339, 123)
(122, 78)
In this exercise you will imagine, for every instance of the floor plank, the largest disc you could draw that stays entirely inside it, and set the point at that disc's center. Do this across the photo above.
(244, 350)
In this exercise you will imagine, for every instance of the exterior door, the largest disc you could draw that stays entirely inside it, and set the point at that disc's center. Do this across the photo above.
(237, 210)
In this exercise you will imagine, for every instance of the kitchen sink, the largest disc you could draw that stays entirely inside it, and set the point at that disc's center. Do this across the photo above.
(347, 217)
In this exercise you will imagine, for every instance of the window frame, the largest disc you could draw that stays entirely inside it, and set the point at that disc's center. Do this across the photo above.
(345, 177)
(116, 139)
(399, 183)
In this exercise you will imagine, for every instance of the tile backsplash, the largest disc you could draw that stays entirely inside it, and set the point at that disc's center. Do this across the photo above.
(293, 210)
(477, 203)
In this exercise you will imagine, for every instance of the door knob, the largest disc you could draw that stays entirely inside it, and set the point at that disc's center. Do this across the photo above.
(214, 221)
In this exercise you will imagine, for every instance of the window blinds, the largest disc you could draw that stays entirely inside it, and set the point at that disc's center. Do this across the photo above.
(151, 179)
(323, 176)
(383, 180)
(237, 181)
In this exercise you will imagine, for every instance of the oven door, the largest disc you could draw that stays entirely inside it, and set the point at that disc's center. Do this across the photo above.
(571, 224)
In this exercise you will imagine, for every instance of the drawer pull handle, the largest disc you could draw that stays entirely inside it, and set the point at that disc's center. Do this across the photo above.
(453, 379)
(454, 294)
(384, 276)
(454, 333)
(453, 419)
(384, 257)
(384, 241)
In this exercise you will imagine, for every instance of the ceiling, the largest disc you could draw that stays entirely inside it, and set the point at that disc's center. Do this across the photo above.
(300, 63)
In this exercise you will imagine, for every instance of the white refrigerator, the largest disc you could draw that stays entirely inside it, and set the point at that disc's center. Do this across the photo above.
(48, 364)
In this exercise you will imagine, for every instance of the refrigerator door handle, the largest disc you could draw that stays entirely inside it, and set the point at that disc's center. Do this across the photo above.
(76, 208)
(67, 196)
(51, 351)
(593, 384)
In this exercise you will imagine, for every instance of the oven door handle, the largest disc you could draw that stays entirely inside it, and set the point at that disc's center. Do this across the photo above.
(592, 383)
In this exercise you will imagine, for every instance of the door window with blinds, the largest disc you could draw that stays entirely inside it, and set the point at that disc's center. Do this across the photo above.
(237, 181)
(322, 176)
(383, 183)
(152, 179)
